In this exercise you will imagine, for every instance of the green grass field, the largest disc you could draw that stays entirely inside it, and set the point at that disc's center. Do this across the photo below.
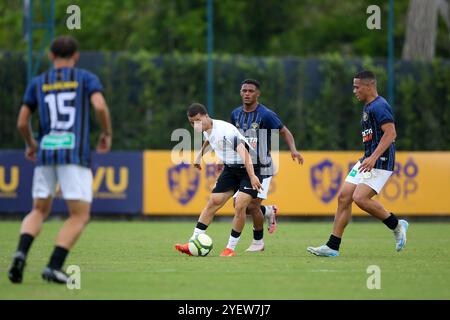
(136, 260)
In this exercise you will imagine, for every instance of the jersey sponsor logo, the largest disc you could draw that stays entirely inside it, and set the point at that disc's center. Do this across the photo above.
(353, 173)
(367, 135)
(253, 142)
(326, 179)
(60, 85)
(183, 180)
(58, 140)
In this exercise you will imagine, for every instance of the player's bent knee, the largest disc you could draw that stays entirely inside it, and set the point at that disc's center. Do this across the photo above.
(83, 219)
(240, 210)
(41, 210)
(345, 198)
(254, 206)
(359, 200)
(215, 201)
(86, 218)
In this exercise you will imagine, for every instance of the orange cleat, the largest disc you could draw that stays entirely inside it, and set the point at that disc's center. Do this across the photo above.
(227, 252)
(183, 248)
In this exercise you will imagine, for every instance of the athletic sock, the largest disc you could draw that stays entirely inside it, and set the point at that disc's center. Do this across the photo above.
(25, 242)
(258, 234)
(58, 257)
(233, 240)
(199, 229)
(334, 242)
(391, 222)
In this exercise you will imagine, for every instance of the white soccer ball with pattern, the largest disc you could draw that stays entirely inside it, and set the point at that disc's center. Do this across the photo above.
(201, 245)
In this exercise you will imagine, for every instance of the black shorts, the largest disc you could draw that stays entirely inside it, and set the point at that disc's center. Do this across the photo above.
(236, 178)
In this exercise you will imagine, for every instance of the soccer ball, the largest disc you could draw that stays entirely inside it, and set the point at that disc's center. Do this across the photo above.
(201, 245)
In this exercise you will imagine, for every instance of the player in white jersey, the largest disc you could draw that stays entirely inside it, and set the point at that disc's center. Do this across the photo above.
(239, 174)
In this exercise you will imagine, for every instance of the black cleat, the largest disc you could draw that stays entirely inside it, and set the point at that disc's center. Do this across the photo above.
(53, 275)
(15, 273)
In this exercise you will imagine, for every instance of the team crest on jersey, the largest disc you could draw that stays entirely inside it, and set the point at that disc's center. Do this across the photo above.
(254, 126)
(326, 179)
(365, 116)
(183, 181)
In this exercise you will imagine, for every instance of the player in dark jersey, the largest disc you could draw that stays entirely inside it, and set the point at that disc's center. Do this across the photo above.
(257, 123)
(61, 97)
(371, 172)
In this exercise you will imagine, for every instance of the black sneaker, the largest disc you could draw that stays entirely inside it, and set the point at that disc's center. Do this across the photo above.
(53, 275)
(15, 273)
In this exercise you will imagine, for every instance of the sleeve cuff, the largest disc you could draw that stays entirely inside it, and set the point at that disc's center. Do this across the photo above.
(386, 121)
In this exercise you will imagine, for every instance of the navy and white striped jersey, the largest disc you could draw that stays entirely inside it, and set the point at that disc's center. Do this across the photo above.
(375, 114)
(257, 126)
(62, 98)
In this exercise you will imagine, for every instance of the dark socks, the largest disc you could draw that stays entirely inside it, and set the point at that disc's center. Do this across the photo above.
(334, 242)
(25, 242)
(201, 226)
(263, 210)
(235, 234)
(58, 257)
(258, 234)
(391, 222)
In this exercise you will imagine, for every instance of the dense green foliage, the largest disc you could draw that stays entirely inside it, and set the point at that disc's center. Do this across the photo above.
(304, 52)
(250, 27)
(148, 96)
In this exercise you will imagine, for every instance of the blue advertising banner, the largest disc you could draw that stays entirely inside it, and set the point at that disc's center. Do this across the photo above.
(117, 183)
(16, 174)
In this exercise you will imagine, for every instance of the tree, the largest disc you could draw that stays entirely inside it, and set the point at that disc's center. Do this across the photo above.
(422, 28)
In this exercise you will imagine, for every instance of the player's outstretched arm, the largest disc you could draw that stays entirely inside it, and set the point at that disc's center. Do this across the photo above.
(24, 127)
(205, 149)
(289, 138)
(245, 156)
(103, 116)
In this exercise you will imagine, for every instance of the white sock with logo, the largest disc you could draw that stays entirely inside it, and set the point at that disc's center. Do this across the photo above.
(197, 231)
(233, 240)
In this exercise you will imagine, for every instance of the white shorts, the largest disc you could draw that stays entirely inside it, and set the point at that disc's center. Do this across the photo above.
(265, 185)
(75, 182)
(376, 178)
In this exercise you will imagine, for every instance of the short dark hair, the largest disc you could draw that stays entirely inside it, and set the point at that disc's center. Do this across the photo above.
(64, 46)
(196, 108)
(251, 81)
(365, 75)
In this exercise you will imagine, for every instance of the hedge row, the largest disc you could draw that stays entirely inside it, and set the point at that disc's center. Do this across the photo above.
(148, 96)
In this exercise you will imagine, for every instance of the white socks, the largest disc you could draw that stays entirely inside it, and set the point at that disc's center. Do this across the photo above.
(232, 242)
(197, 231)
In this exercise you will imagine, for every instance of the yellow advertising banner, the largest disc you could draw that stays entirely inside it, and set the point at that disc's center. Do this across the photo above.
(420, 184)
